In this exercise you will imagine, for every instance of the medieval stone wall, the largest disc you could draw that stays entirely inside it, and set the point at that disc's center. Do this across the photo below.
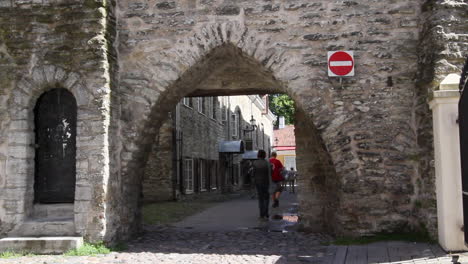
(363, 120)
(46, 45)
(369, 133)
(443, 46)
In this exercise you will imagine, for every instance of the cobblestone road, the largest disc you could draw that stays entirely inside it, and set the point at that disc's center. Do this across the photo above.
(253, 241)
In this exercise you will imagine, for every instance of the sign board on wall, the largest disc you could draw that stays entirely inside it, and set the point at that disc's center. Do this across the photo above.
(340, 63)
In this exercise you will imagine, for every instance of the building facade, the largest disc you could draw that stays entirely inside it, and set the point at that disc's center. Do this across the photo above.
(284, 143)
(128, 63)
(186, 157)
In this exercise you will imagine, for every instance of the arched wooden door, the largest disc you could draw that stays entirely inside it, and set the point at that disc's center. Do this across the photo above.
(55, 161)
(463, 125)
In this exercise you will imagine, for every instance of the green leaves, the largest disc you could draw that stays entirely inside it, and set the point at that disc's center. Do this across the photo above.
(282, 105)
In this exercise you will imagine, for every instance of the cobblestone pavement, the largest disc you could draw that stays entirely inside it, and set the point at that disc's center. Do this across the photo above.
(273, 241)
(174, 245)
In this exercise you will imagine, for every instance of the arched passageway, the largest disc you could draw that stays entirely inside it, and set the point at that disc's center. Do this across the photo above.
(227, 70)
(357, 174)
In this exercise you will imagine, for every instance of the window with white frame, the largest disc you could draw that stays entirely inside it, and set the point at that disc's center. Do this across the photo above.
(234, 124)
(201, 172)
(239, 124)
(187, 101)
(224, 108)
(188, 175)
(214, 174)
(213, 102)
(198, 101)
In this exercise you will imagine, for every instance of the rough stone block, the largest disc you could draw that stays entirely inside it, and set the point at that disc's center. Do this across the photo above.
(41, 245)
(21, 152)
(84, 193)
(5, 3)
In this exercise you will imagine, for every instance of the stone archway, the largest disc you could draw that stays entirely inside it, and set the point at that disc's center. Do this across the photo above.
(221, 59)
(348, 127)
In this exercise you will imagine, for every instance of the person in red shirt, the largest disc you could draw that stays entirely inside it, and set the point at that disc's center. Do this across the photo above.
(277, 178)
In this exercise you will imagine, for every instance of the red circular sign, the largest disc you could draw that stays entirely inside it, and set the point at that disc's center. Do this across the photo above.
(340, 63)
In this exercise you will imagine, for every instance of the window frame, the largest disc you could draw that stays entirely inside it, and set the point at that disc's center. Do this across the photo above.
(234, 124)
(201, 171)
(188, 102)
(224, 109)
(189, 180)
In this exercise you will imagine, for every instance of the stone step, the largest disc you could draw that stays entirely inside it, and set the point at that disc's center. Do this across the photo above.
(40, 245)
(53, 211)
(45, 227)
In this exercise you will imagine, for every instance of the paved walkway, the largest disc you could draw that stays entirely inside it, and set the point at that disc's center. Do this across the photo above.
(231, 233)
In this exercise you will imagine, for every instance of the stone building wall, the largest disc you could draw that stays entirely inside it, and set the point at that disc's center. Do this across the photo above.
(200, 137)
(46, 45)
(369, 148)
(370, 133)
(158, 179)
(443, 47)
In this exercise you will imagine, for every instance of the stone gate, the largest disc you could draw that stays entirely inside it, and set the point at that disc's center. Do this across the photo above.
(364, 142)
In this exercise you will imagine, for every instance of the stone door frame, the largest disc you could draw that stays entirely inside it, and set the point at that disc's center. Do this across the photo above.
(18, 193)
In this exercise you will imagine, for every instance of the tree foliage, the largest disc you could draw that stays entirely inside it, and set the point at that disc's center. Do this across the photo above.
(282, 105)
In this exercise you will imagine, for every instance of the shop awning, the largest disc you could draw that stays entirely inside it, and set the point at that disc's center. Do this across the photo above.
(232, 146)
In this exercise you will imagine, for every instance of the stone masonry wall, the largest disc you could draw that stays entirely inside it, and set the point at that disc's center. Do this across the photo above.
(157, 182)
(371, 132)
(170, 47)
(46, 45)
(443, 47)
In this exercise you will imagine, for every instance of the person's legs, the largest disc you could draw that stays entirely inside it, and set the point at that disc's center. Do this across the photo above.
(260, 197)
(263, 199)
(277, 193)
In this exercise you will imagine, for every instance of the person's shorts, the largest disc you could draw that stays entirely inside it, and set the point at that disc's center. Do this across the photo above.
(278, 186)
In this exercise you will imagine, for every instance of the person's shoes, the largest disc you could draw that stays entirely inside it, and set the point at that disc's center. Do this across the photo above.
(275, 203)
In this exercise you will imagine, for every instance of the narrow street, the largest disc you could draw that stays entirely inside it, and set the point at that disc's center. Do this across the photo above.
(231, 232)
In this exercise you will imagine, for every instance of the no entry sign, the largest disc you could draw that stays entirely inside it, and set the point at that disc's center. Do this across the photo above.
(340, 63)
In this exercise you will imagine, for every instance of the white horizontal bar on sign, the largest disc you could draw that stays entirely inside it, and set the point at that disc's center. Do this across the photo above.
(341, 63)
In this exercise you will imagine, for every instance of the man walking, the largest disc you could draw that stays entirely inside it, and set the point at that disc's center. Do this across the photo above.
(277, 178)
(261, 176)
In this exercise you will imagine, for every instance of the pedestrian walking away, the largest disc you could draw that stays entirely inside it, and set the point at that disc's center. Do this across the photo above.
(277, 178)
(292, 176)
(261, 174)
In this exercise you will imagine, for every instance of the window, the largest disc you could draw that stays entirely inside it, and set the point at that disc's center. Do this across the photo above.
(198, 103)
(263, 137)
(224, 108)
(203, 105)
(239, 124)
(213, 104)
(234, 125)
(188, 175)
(201, 171)
(187, 101)
(214, 179)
